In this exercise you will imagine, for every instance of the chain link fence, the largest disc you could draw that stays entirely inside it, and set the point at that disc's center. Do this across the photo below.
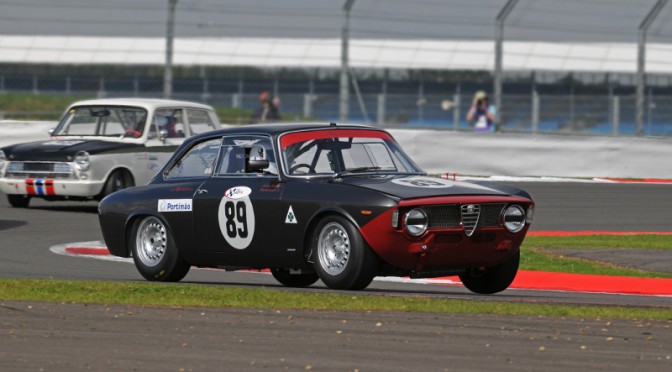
(409, 101)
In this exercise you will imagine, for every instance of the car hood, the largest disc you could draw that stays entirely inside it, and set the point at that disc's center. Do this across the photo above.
(409, 187)
(60, 149)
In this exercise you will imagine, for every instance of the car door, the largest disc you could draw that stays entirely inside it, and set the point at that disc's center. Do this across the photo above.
(237, 213)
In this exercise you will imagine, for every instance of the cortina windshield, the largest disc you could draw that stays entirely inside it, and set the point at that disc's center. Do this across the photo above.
(109, 121)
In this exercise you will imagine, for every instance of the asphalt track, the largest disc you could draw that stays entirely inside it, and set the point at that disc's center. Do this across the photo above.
(439, 341)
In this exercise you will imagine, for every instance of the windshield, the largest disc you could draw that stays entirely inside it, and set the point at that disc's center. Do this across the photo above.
(344, 152)
(119, 121)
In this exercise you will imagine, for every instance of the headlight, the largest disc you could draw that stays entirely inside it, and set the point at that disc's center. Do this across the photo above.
(82, 160)
(416, 222)
(514, 218)
(530, 214)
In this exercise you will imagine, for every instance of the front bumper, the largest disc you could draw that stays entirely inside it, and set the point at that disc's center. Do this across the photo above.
(51, 187)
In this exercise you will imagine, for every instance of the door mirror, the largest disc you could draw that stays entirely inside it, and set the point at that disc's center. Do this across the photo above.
(51, 131)
(256, 160)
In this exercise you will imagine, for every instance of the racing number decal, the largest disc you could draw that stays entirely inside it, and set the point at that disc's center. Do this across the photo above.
(236, 212)
(427, 182)
(236, 217)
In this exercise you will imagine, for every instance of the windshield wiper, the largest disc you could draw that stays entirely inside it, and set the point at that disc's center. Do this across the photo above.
(355, 170)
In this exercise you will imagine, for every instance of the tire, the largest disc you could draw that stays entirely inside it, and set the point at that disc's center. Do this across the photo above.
(154, 252)
(18, 201)
(118, 180)
(342, 259)
(492, 279)
(284, 277)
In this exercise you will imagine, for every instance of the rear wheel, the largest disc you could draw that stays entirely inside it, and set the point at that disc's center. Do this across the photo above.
(284, 277)
(154, 252)
(343, 260)
(118, 180)
(18, 201)
(492, 279)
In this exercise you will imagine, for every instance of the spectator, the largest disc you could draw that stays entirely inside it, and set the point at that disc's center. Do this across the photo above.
(267, 110)
(482, 115)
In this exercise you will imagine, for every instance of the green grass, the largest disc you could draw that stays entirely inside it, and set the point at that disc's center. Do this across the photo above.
(189, 295)
(537, 253)
(25, 106)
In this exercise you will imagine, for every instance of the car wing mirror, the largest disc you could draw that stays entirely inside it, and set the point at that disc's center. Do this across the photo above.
(256, 160)
(51, 131)
(163, 134)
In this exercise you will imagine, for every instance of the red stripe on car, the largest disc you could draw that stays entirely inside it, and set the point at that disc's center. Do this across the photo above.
(30, 187)
(296, 137)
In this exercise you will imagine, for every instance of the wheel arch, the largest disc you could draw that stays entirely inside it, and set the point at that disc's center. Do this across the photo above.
(315, 219)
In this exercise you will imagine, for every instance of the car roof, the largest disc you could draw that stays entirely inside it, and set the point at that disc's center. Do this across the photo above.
(280, 128)
(147, 103)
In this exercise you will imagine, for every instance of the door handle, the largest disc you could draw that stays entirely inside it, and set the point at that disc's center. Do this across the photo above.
(201, 191)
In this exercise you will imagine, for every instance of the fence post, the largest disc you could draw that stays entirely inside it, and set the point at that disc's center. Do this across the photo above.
(136, 87)
(615, 114)
(68, 85)
(535, 112)
(308, 105)
(236, 100)
(380, 116)
(456, 110)
(101, 88)
(2, 83)
(35, 90)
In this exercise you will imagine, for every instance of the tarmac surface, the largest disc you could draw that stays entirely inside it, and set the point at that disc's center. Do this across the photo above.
(54, 336)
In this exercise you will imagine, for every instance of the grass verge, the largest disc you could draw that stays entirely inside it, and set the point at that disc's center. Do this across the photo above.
(190, 295)
(538, 253)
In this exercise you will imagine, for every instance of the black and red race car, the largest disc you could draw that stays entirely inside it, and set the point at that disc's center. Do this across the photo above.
(340, 203)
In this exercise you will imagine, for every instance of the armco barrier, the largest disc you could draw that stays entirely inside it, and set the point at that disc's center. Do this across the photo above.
(488, 154)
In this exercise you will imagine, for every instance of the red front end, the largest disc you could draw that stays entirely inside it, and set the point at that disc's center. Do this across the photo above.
(462, 232)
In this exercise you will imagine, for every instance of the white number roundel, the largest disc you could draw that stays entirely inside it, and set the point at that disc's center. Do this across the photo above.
(236, 217)
(427, 182)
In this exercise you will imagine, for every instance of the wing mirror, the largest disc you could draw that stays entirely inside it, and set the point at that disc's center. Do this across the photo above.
(256, 161)
(163, 134)
(51, 131)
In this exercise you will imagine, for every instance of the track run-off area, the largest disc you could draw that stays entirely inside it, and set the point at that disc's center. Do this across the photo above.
(100, 336)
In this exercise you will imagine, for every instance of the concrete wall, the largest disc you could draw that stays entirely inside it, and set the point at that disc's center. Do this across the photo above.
(491, 154)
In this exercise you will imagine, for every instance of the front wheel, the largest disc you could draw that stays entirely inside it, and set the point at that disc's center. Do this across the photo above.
(154, 252)
(18, 201)
(118, 180)
(284, 277)
(492, 279)
(343, 260)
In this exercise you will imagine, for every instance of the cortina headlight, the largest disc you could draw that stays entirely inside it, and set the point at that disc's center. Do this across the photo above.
(82, 160)
(514, 218)
(416, 222)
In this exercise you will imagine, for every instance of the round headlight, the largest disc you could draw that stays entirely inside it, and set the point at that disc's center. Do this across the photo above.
(82, 160)
(514, 218)
(416, 222)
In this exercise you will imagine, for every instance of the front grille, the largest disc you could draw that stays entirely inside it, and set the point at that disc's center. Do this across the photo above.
(470, 215)
(443, 216)
(453, 216)
(37, 169)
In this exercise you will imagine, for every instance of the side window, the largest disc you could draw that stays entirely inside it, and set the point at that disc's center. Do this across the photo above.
(199, 121)
(171, 120)
(236, 149)
(197, 162)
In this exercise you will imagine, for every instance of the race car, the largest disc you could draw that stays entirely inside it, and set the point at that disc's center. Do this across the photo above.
(100, 146)
(336, 202)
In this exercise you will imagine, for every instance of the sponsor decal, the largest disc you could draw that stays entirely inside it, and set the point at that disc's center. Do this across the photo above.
(271, 187)
(236, 217)
(175, 205)
(291, 217)
(61, 143)
(237, 192)
(181, 189)
(425, 182)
